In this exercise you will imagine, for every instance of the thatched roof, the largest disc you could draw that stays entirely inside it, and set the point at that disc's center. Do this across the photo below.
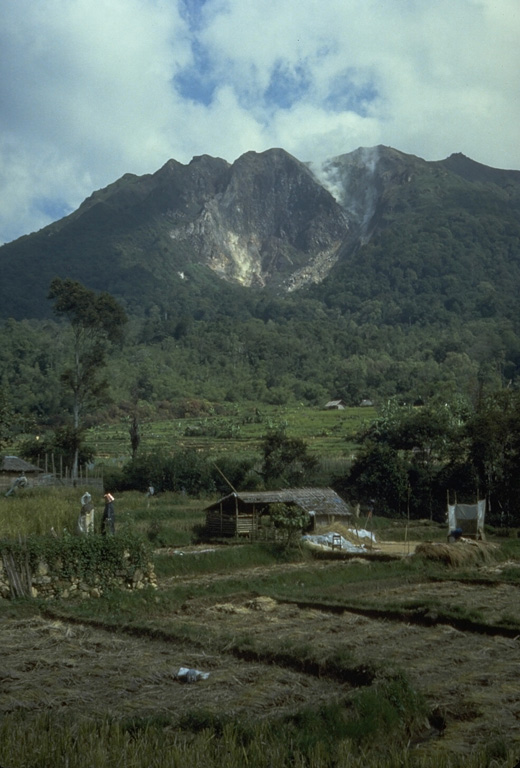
(14, 464)
(322, 501)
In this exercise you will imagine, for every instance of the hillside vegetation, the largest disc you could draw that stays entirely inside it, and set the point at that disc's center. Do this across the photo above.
(419, 293)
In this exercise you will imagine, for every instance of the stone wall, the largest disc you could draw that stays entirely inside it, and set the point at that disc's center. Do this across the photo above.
(41, 583)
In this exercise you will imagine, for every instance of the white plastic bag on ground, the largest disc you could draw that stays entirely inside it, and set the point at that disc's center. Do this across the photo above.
(190, 675)
(333, 541)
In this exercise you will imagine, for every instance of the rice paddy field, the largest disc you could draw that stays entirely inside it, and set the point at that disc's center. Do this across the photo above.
(239, 431)
(406, 657)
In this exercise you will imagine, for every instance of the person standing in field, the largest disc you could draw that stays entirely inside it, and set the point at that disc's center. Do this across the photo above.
(108, 521)
(86, 515)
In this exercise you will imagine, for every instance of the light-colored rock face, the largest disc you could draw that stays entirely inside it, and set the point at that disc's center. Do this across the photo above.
(231, 254)
(316, 270)
(270, 221)
(242, 258)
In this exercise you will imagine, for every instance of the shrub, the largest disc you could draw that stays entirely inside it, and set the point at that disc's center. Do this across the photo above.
(290, 519)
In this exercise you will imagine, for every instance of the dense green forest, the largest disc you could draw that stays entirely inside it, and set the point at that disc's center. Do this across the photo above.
(302, 352)
(464, 437)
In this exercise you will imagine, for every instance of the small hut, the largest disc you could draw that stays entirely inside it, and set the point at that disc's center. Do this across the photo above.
(13, 468)
(240, 514)
(335, 405)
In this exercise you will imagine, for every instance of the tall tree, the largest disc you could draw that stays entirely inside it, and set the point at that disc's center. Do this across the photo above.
(135, 433)
(494, 432)
(6, 420)
(404, 453)
(96, 321)
(286, 459)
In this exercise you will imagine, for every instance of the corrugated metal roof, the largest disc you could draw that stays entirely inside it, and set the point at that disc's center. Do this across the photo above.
(14, 464)
(320, 500)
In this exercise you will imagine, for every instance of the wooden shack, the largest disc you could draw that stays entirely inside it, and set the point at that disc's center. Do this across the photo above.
(240, 514)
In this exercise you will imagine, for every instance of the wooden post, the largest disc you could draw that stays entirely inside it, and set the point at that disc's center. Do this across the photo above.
(407, 520)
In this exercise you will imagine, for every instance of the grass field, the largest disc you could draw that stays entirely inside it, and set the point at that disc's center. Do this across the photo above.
(312, 663)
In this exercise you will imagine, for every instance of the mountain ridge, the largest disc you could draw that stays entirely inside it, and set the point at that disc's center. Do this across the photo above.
(252, 281)
(267, 221)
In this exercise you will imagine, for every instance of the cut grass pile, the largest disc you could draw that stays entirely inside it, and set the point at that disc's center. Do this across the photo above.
(465, 552)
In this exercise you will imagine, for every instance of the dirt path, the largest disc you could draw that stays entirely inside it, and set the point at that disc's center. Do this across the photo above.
(385, 549)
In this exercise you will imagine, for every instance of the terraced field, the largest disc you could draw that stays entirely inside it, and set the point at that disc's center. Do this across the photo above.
(467, 672)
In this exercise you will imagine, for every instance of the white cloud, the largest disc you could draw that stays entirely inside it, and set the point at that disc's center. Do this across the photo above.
(86, 94)
(224, 128)
(90, 91)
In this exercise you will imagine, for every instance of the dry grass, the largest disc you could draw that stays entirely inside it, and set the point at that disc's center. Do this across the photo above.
(463, 552)
(52, 666)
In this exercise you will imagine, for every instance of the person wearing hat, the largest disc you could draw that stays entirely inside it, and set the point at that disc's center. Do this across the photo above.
(86, 515)
(108, 521)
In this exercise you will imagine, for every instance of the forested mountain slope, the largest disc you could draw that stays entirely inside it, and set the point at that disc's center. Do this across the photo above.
(394, 225)
(377, 274)
(442, 240)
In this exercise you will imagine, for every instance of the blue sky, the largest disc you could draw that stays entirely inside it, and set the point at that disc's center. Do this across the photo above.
(90, 91)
